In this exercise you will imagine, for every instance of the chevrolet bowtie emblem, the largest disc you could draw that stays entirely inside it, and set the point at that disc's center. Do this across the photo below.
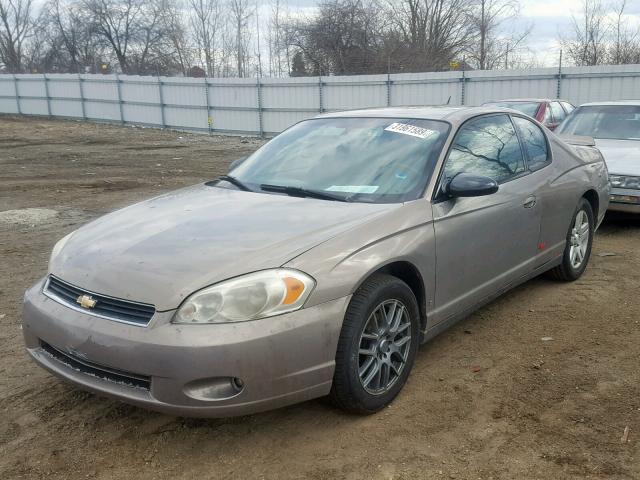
(86, 301)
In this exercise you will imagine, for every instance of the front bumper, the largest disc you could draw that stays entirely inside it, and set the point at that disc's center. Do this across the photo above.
(624, 200)
(280, 360)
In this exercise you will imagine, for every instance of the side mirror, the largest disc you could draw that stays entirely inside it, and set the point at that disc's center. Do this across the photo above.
(469, 185)
(236, 162)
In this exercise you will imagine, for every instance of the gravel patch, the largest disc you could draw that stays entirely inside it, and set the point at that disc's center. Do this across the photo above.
(27, 216)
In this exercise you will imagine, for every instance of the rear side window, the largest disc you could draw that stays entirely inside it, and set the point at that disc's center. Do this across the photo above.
(568, 107)
(486, 146)
(534, 143)
(558, 112)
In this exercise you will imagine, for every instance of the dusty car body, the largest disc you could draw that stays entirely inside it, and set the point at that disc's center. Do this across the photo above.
(615, 126)
(110, 315)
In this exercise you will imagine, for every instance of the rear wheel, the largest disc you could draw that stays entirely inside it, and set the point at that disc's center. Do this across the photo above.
(578, 249)
(377, 345)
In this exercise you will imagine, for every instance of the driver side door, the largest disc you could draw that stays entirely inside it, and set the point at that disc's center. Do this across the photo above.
(484, 243)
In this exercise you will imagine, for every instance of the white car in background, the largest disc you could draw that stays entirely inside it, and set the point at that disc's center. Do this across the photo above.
(615, 126)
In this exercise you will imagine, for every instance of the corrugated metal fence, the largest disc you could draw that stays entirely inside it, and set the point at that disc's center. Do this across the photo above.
(267, 106)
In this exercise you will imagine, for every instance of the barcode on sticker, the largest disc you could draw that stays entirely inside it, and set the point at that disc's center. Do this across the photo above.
(412, 130)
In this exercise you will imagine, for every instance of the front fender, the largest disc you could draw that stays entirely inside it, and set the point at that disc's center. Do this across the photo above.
(341, 264)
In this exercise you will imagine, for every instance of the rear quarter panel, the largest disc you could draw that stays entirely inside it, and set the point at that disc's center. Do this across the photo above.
(570, 178)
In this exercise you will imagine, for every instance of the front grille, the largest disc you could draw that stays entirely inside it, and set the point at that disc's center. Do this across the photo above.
(105, 307)
(95, 370)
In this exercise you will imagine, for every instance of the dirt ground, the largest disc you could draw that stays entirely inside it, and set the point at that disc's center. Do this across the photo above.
(537, 409)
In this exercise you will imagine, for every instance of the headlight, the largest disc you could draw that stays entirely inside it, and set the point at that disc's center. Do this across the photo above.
(58, 247)
(249, 297)
(621, 181)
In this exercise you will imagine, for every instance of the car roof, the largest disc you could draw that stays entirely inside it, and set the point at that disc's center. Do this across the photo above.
(451, 114)
(617, 102)
(516, 100)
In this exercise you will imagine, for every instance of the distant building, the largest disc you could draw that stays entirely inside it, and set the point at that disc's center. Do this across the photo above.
(196, 72)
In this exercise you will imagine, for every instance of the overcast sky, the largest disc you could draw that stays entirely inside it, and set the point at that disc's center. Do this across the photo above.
(549, 18)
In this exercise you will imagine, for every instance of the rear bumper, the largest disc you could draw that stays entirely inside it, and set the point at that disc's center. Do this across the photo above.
(280, 360)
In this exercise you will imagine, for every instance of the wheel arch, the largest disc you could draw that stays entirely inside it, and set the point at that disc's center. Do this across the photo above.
(409, 274)
(594, 200)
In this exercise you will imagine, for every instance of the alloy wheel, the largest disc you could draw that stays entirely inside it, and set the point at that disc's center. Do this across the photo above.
(384, 346)
(579, 239)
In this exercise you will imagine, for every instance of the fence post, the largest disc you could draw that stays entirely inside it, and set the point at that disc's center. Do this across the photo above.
(388, 89)
(206, 99)
(463, 79)
(559, 85)
(120, 99)
(46, 92)
(84, 113)
(320, 99)
(161, 98)
(15, 87)
(260, 119)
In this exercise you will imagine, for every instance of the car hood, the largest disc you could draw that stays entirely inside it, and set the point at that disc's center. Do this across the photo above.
(622, 156)
(161, 250)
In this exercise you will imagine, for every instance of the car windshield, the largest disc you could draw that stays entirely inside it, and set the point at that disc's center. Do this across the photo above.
(618, 122)
(528, 108)
(378, 160)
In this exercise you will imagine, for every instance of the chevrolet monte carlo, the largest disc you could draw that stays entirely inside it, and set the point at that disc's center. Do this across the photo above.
(319, 264)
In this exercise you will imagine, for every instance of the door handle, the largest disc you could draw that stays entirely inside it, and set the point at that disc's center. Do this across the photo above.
(530, 202)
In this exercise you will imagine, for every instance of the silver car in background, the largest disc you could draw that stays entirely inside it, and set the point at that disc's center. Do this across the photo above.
(615, 126)
(319, 264)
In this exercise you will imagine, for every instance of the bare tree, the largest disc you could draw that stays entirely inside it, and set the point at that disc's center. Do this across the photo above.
(227, 57)
(241, 12)
(40, 55)
(73, 45)
(365, 36)
(491, 45)
(115, 21)
(206, 18)
(139, 32)
(626, 42)
(154, 45)
(588, 45)
(428, 33)
(182, 53)
(279, 59)
(343, 38)
(16, 26)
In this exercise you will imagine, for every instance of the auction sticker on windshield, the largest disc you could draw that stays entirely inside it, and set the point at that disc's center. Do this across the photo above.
(412, 130)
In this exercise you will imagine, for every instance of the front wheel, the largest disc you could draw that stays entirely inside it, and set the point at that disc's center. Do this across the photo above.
(578, 248)
(377, 346)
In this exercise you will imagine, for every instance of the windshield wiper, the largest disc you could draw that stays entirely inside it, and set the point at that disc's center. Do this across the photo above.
(234, 181)
(302, 192)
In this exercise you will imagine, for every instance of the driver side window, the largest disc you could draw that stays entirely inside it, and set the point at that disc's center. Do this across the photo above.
(486, 146)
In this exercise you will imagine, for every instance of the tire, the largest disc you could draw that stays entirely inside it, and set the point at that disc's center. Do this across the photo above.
(364, 316)
(569, 270)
